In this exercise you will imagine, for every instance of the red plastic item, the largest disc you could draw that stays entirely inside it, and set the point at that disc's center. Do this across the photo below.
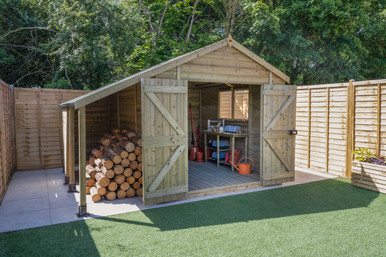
(200, 157)
(209, 153)
(244, 168)
(192, 153)
(237, 156)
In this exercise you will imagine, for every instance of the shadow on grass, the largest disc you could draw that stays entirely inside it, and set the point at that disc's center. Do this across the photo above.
(322, 196)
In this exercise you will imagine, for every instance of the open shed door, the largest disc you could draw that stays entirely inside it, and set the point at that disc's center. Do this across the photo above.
(164, 136)
(278, 143)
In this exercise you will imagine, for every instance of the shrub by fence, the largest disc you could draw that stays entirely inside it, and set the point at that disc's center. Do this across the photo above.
(7, 145)
(334, 119)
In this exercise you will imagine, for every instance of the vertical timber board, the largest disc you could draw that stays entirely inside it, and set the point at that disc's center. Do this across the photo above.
(379, 108)
(82, 154)
(7, 143)
(164, 133)
(327, 127)
(254, 114)
(309, 130)
(71, 144)
(350, 127)
(65, 139)
(278, 146)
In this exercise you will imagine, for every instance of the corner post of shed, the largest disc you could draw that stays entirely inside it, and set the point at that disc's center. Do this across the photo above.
(70, 151)
(82, 160)
(65, 128)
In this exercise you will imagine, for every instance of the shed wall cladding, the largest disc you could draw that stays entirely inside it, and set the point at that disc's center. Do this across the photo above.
(38, 121)
(322, 110)
(7, 145)
(223, 65)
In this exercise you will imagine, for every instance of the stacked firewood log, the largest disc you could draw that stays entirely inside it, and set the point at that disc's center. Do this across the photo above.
(115, 169)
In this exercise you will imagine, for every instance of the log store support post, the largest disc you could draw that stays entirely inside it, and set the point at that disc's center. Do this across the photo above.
(70, 167)
(82, 160)
(65, 128)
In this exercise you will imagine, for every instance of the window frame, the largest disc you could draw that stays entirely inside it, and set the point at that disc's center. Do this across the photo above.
(232, 90)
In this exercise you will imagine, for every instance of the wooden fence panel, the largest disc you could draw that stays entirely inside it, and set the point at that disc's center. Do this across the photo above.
(321, 120)
(7, 150)
(38, 120)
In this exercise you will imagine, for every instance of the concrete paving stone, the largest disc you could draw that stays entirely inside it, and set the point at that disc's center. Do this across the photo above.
(31, 219)
(26, 193)
(58, 199)
(31, 191)
(64, 214)
(24, 206)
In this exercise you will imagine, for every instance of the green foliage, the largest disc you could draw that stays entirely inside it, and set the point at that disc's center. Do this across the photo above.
(90, 43)
(362, 154)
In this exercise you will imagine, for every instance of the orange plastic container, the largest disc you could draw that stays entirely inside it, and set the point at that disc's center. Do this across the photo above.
(244, 168)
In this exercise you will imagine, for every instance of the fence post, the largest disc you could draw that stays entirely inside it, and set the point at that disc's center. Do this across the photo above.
(378, 146)
(350, 127)
(309, 130)
(327, 125)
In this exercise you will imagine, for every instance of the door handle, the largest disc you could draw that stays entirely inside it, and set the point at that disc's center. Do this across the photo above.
(293, 132)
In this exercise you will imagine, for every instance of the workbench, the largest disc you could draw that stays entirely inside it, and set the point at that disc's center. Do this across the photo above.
(232, 137)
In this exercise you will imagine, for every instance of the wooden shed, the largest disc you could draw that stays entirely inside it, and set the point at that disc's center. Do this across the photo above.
(222, 81)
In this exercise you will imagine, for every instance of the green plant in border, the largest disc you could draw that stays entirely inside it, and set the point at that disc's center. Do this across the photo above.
(362, 154)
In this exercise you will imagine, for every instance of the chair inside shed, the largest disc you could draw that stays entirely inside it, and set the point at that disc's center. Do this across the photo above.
(230, 103)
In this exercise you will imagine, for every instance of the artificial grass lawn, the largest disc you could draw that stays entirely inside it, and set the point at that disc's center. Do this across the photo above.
(329, 217)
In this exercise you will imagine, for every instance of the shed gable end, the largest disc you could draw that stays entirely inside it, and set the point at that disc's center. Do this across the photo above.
(227, 65)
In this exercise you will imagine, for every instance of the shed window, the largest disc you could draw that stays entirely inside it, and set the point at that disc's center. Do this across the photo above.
(233, 104)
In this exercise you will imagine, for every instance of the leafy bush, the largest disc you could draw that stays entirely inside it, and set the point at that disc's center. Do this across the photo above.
(363, 154)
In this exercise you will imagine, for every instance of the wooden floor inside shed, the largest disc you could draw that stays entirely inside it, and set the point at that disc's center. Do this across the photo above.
(206, 175)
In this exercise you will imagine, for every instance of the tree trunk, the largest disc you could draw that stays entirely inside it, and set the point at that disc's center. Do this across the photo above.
(119, 179)
(112, 186)
(90, 182)
(105, 141)
(138, 150)
(106, 162)
(108, 173)
(125, 162)
(96, 153)
(133, 165)
(130, 192)
(122, 152)
(130, 180)
(137, 174)
(101, 190)
(121, 194)
(91, 160)
(124, 186)
(94, 194)
(102, 179)
(90, 170)
(128, 172)
(132, 157)
(118, 169)
(110, 195)
(114, 156)
(139, 191)
(136, 185)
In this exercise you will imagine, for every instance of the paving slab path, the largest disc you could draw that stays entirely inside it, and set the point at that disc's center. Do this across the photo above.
(39, 198)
